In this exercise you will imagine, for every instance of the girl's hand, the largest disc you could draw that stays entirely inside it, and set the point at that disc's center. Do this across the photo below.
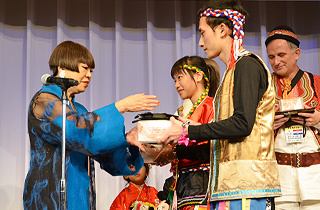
(165, 156)
(151, 150)
(137, 102)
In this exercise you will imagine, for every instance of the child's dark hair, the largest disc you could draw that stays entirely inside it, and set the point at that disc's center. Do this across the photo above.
(146, 165)
(210, 69)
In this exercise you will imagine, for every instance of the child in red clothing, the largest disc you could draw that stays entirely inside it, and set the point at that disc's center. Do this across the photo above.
(137, 196)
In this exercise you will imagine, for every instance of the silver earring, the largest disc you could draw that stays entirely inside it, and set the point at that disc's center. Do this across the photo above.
(62, 74)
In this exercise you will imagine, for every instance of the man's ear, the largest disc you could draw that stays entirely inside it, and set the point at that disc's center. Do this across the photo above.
(297, 54)
(224, 30)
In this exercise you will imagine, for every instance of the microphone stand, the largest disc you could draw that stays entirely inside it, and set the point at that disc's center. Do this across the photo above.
(64, 84)
(63, 188)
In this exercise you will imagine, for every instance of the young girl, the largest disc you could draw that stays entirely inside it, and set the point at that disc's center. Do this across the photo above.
(137, 195)
(196, 79)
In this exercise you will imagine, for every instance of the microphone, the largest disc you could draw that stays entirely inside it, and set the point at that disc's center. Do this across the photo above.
(163, 196)
(47, 79)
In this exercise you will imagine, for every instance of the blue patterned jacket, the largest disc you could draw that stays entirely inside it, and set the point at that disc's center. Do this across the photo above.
(99, 134)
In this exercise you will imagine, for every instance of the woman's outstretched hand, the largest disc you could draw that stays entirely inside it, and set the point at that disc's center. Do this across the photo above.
(137, 102)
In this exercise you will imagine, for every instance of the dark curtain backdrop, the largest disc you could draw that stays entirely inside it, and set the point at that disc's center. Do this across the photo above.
(134, 43)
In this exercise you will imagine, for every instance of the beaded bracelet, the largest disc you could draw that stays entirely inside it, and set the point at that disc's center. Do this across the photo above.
(185, 124)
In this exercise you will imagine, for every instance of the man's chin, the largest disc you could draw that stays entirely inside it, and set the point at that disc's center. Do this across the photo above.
(279, 72)
(211, 56)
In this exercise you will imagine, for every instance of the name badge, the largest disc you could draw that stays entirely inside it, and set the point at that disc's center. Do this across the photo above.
(294, 134)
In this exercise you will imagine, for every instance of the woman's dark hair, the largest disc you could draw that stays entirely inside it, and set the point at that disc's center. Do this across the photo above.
(68, 55)
(210, 68)
(222, 5)
(147, 172)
